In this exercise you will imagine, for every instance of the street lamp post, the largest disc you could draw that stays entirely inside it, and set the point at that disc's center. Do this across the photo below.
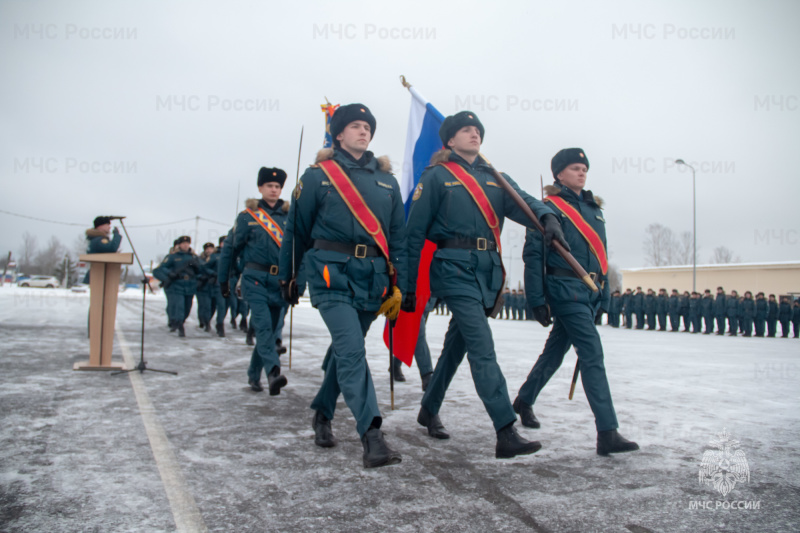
(694, 225)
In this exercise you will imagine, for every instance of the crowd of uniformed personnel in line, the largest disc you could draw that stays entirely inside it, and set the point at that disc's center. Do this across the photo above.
(346, 236)
(705, 313)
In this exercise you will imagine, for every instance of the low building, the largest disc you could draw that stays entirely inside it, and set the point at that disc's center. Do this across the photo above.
(779, 278)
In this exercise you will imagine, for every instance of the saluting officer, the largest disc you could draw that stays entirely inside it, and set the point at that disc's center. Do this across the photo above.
(178, 275)
(459, 205)
(572, 304)
(348, 220)
(257, 237)
(100, 241)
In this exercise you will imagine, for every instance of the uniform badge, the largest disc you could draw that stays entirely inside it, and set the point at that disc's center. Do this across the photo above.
(298, 189)
(417, 193)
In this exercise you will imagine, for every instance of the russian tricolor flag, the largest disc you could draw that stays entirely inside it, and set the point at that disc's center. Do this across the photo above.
(422, 142)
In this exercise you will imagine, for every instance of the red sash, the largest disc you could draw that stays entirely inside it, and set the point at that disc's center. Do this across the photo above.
(355, 202)
(270, 226)
(479, 195)
(591, 236)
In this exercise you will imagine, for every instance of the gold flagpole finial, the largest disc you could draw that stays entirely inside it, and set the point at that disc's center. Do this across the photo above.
(404, 82)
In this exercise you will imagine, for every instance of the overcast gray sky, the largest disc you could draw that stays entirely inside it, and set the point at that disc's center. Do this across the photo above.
(159, 110)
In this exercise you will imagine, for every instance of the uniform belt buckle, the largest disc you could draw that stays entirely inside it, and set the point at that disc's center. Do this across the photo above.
(483, 244)
(361, 251)
(593, 276)
(273, 269)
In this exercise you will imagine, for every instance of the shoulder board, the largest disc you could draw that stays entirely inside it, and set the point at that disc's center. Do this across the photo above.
(493, 184)
(452, 184)
(384, 185)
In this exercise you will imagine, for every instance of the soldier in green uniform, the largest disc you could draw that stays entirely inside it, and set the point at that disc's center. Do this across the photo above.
(178, 275)
(218, 302)
(466, 271)
(571, 302)
(348, 268)
(772, 316)
(100, 241)
(204, 289)
(256, 243)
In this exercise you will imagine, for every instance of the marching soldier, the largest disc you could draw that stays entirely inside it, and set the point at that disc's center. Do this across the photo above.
(178, 275)
(507, 301)
(257, 238)
(772, 316)
(459, 205)
(350, 225)
(720, 309)
(204, 289)
(573, 305)
(218, 302)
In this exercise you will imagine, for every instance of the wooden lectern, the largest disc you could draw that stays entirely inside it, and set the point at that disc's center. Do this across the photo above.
(104, 289)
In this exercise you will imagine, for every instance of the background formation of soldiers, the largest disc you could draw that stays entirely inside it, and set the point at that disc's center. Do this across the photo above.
(706, 313)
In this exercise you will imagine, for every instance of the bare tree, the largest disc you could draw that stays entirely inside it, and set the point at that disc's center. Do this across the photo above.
(78, 245)
(658, 245)
(723, 255)
(683, 249)
(27, 253)
(47, 260)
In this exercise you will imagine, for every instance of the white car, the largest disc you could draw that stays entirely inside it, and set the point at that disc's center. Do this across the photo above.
(46, 282)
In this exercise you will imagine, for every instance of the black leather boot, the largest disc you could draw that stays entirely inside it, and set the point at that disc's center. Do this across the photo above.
(172, 326)
(425, 380)
(255, 386)
(433, 423)
(251, 333)
(376, 452)
(612, 442)
(276, 381)
(510, 444)
(207, 328)
(323, 435)
(526, 415)
(398, 370)
(243, 324)
(220, 329)
(279, 347)
(181, 331)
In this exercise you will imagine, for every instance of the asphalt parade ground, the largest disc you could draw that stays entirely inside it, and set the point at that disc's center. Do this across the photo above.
(87, 451)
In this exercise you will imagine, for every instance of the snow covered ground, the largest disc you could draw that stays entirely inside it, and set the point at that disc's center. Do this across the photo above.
(86, 451)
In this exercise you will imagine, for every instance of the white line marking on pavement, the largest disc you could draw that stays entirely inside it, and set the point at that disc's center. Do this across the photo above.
(184, 509)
